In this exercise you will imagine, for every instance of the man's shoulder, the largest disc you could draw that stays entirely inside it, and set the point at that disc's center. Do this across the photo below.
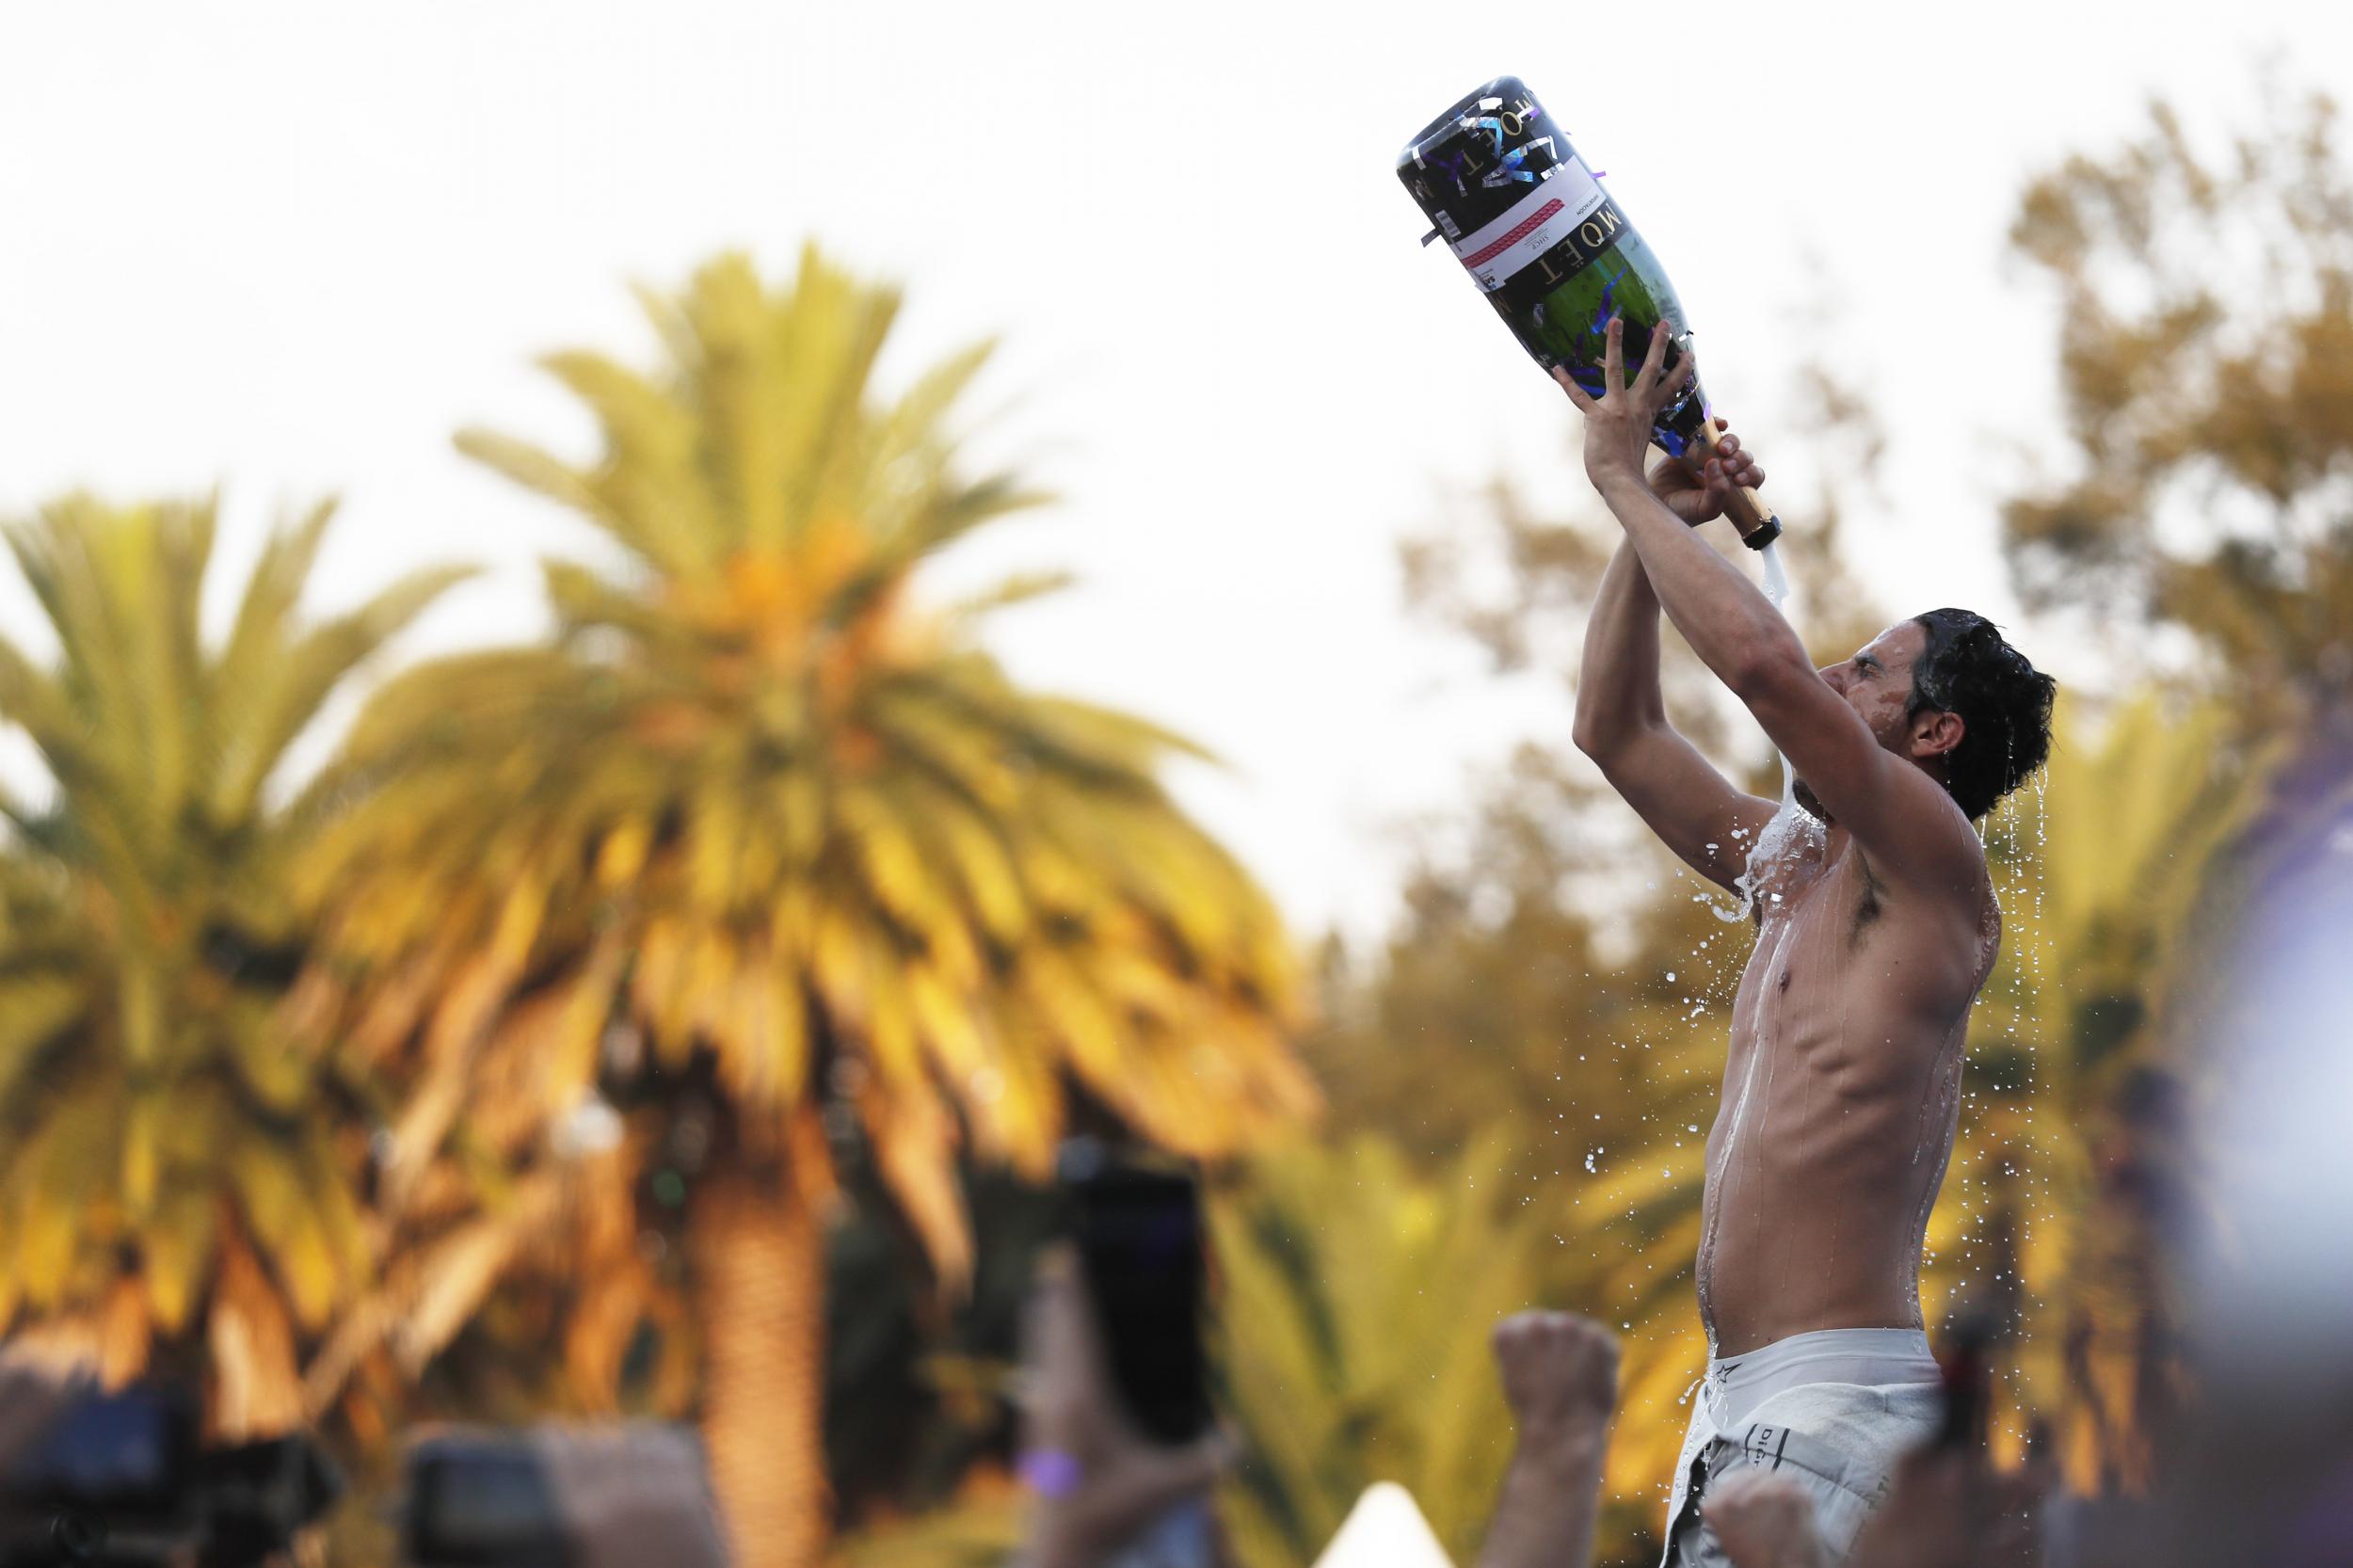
(1961, 878)
(1925, 841)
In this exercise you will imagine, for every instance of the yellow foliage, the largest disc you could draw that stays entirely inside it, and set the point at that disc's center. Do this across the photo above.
(150, 1053)
(815, 821)
(2206, 362)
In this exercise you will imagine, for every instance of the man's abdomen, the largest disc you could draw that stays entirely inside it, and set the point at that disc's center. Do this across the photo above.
(1818, 1198)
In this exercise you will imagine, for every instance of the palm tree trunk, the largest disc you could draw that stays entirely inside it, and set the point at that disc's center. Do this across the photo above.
(759, 1258)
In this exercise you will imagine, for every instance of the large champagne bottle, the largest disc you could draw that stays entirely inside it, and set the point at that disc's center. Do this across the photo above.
(1556, 256)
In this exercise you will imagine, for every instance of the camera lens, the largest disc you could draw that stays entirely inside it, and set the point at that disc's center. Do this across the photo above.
(76, 1537)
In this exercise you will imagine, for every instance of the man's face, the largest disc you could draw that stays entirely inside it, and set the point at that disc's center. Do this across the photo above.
(1877, 684)
(1877, 681)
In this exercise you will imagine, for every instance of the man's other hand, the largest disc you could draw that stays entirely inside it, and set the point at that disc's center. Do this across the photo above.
(1559, 1375)
(1699, 494)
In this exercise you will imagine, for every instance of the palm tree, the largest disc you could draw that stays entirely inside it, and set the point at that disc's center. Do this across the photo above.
(180, 1183)
(783, 862)
(1356, 1302)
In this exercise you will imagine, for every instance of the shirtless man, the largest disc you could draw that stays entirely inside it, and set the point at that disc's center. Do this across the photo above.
(1877, 925)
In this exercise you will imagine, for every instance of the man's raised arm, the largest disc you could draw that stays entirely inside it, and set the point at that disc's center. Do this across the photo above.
(1622, 725)
(1899, 815)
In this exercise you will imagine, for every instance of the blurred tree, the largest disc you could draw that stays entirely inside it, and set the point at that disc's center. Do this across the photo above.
(182, 1183)
(1353, 1300)
(2203, 524)
(784, 863)
(982, 1532)
(919, 1390)
(2206, 367)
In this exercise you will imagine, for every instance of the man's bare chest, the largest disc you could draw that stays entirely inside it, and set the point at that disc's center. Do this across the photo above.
(1833, 930)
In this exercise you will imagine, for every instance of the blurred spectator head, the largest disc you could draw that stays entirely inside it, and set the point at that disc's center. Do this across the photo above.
(2264, 1471)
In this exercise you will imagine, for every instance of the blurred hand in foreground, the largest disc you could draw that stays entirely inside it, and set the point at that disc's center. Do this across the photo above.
(1763, 1520)
(1561, 1379)
(1560, 1376)
(1946, 1508)
(1098, 1483)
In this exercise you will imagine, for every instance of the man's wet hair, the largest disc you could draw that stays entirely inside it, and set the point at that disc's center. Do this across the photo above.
(2003, 700)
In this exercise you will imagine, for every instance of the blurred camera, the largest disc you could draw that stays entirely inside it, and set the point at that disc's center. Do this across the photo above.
(120, 1479)
(554, 1496)
(1136, 1221)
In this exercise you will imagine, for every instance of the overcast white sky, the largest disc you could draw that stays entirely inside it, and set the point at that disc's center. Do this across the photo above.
(290, 248)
